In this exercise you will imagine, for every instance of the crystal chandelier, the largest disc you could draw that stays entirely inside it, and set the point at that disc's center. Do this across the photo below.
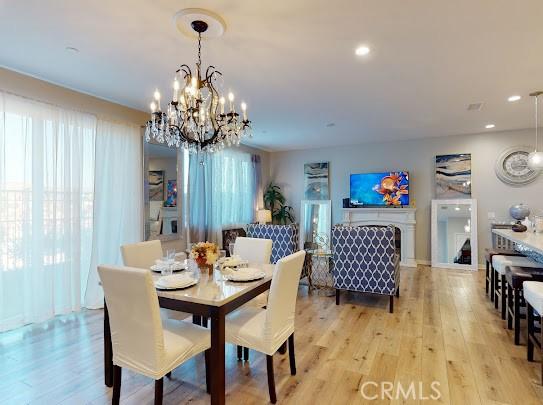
(198, 118)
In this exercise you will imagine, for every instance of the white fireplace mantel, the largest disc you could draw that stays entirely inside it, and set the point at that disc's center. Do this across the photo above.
(402, 218)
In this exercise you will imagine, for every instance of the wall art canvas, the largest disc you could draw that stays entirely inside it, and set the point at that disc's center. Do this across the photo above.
(453, 176)
(156, 185)
(316, 181)
(171, 193)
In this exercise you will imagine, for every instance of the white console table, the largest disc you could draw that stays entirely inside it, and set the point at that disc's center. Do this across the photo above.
(402, 218)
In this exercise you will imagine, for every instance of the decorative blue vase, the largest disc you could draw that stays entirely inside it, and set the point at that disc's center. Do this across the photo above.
(519, 211)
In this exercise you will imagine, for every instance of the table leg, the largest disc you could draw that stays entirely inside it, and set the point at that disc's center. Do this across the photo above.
(108, 350)
(217, 357)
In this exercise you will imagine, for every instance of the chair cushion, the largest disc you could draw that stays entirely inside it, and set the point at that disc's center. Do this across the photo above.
(515, 275)
(182, 340)
(489, 252)
(245, 327)
(499, 263)
(533, 294)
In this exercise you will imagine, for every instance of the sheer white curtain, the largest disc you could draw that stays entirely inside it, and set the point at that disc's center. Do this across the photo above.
(46, 209)
(117, 199)
(70, 195)
(222, 193)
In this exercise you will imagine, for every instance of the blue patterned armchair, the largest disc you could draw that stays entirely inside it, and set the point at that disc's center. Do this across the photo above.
(365, 260)
(284, 238)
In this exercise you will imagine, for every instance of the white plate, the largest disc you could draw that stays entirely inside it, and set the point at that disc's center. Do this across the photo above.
(245, 274)
(182, 282)
(177, 266)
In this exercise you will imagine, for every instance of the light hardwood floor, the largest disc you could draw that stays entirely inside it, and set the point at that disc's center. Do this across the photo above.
(443, 329)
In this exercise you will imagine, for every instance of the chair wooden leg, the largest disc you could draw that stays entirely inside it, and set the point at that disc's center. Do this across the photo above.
(530, 321)
(169, 375)
(271, 379)
(291, 357)
(492, 283)
(517, 317)
(204, 321)
(283, 348)
(117, 373)
(398, 292)
(159, 387)
(240, 350)
(337, 296)
(510, 307)
(246, 353)
(503, 287)
(208, 369)
(391, 304)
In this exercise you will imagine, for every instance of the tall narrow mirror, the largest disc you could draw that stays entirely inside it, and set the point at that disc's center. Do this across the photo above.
(454, 234)
(316, 224)
(162, 175)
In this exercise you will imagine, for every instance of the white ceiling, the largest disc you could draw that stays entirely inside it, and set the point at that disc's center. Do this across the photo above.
(293, 61)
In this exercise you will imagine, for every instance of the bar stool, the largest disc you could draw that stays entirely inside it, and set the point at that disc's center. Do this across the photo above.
(533, 294)
(489, 279)
(515, 276)
(499, 263)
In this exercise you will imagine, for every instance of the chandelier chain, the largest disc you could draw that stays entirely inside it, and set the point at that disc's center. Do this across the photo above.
(199, 50)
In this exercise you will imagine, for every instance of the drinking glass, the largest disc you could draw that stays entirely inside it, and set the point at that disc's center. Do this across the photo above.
(222, 254)
(231, 249)
(168, 260)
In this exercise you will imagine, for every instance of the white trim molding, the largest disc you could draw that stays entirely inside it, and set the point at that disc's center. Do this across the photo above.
(473, 238)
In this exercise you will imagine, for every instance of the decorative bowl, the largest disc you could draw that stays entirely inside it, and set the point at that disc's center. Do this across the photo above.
(519, 211)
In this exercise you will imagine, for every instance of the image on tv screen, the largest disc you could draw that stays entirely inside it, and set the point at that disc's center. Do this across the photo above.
(387, 188)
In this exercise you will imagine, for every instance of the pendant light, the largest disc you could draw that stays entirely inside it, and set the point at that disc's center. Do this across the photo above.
(535, 159)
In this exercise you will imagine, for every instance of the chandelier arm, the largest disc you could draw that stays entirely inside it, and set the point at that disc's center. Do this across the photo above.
(185, 69)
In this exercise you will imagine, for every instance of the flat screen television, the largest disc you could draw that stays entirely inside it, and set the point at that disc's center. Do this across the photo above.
(380, 189)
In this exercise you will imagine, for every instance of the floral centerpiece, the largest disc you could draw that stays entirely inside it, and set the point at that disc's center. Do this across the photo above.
(205, 254)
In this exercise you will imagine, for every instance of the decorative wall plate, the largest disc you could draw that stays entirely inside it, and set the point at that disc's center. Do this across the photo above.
(512, 166)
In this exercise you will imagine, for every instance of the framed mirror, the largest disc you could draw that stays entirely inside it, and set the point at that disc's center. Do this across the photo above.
(162, 204)
(454, 234)
(315, 224)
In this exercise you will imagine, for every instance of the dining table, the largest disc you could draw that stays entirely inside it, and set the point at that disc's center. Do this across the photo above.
(213, 297)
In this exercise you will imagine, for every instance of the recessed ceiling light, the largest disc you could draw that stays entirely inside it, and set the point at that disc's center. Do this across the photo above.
(362, 50)
(72, 49)
(489, 126)
(513, 99)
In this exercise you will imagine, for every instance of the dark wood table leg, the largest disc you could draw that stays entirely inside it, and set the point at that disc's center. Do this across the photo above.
(218, 386)
(108, 350)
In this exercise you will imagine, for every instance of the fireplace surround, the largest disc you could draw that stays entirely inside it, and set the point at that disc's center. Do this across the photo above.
(402, 218)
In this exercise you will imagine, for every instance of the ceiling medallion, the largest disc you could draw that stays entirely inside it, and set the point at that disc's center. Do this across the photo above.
(198, 117)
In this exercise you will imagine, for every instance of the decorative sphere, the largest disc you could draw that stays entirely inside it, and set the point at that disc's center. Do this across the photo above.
(519, 211)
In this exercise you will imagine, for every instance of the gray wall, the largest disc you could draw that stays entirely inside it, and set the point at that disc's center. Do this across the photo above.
(416, 156)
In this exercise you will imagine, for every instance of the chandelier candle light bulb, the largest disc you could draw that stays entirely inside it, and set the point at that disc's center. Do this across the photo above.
(244, 109)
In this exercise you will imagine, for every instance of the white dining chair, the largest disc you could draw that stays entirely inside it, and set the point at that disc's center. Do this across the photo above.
(266, 330)
(254, 250)
(143, 255)
(258, 251)
(141, 340)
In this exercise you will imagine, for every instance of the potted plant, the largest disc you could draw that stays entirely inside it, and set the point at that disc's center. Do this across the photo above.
(274, 200)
